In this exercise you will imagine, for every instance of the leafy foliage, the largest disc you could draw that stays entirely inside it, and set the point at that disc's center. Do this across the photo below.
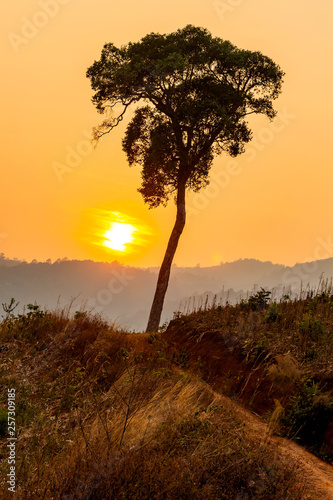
(273, 313)
(310, 328)
(308, 415)
(257, 301)
(198, 91)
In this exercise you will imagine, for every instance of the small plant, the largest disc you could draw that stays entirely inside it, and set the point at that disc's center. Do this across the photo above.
(310, 329)
(25, 409)
(80, 315)
(3, 422)
(274, 423)
(285, 371)
(34, 311)
(273, 314)
(253, 350)
(9, 308)
(192, 430)
(164, 326)
(123, 354)
(257, 301)
(68, 400)
(181, 358)
(177, 315)
(308, 415)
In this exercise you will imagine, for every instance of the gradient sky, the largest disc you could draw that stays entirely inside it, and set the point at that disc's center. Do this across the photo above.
(272, 203)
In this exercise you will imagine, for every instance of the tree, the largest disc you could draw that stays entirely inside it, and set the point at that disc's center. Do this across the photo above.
(197, 91)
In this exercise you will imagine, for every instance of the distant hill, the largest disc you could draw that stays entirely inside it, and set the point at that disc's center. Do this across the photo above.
(124, 293)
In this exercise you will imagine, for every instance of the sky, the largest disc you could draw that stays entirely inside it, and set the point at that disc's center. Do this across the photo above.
(60, 197)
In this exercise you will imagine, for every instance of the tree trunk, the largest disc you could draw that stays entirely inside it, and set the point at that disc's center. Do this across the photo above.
(164, 274)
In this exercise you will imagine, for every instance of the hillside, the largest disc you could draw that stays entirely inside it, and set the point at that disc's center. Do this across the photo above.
(215, 406)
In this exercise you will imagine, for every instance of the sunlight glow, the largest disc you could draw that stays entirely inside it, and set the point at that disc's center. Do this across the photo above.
(111, 234)
(118, 236)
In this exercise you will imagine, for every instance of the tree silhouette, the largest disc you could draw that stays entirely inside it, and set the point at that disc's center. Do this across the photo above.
(197, 91)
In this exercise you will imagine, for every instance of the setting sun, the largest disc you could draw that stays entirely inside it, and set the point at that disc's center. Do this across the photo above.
(118, 236)
(111, 234)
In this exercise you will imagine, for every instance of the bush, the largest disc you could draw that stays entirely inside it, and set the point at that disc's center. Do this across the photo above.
(3, 422)
(310, 328)
(257, 301)
(285, 371)
(273, 314)
(308, 415)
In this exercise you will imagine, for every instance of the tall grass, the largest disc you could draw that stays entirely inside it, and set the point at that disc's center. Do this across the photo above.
(261, 351)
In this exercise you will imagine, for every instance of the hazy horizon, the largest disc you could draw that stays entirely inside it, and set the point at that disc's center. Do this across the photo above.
(174, 264)
(123, 293)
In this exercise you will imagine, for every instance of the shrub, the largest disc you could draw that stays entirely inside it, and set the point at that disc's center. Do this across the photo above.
(253, 349)
(273, 314)
(80, 315)
(310, 329)
(181, 358)
(284, 371)
(3, 422)
(259, 300)
(308, 415)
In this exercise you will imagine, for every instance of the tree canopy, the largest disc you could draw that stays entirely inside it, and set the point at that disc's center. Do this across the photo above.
(197, 91)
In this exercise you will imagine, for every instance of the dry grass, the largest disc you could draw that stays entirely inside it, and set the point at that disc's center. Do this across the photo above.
(261, 352)
(103, 414)
(285, 372)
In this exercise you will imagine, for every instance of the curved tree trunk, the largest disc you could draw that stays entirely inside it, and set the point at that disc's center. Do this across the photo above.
(164, 274)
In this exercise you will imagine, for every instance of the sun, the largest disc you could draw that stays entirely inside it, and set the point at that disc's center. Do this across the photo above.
(118, 236)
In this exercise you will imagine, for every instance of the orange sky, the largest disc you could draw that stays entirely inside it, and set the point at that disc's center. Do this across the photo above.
(272, 203)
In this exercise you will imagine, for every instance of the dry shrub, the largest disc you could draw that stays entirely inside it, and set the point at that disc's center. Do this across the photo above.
(275, 418)
(285, 372)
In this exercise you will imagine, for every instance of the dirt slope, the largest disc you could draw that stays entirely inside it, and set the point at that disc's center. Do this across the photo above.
(318, 474)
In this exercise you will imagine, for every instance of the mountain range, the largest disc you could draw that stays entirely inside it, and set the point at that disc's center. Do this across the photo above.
(124, 294)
